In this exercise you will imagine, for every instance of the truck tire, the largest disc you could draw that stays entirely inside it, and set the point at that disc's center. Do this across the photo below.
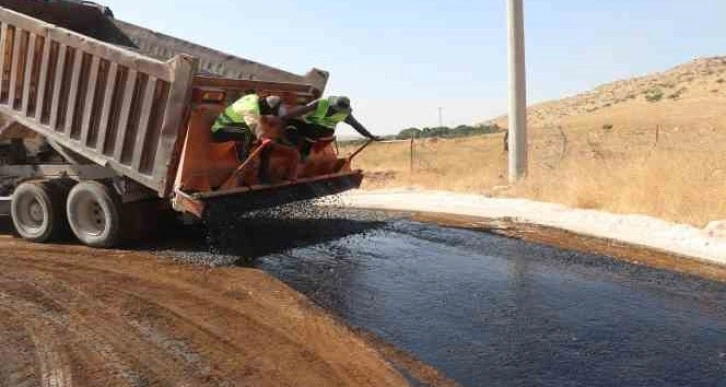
(94, 214)
(38, 212)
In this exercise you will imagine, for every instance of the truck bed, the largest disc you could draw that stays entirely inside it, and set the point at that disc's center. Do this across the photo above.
(114, 93)
(91, 22)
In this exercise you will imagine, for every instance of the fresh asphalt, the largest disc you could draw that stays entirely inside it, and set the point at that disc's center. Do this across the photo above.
(484, 309)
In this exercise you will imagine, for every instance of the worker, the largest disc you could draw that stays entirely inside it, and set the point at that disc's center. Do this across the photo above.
(318, 120)
(241, 121)
(252, 118)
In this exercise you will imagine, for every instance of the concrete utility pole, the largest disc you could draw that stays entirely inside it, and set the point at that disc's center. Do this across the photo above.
(517, 93)
(441, 117)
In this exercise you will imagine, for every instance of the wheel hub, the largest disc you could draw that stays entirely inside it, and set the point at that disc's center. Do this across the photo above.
(98, 217)
(91, 218)
(31, 215)
(35, 212)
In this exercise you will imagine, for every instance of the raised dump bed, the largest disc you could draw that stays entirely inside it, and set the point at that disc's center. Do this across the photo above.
(122, 116)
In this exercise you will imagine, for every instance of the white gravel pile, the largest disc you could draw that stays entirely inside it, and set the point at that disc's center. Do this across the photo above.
(708, 244)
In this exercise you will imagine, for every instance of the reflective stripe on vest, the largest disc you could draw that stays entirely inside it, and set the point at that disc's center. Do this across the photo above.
(320, 115)
(234, 115)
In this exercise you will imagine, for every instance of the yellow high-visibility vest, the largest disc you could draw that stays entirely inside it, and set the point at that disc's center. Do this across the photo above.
(321, 116)
(234, 115)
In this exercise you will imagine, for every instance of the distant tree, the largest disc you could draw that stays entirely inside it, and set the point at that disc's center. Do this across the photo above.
(439, 131)
(408, 133)
(446, 132)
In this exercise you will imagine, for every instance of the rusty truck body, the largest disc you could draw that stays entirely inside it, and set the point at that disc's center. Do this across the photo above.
(106, 122)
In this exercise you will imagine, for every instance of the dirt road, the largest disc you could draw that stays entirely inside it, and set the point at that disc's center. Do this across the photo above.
(71, 315)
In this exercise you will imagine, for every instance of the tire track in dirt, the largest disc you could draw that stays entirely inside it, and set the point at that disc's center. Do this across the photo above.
(139, 285)
(112, 332)
(17, 368)
(76, 316)
(50, 325)
(52, 355)
(40, 325)
(176, 309)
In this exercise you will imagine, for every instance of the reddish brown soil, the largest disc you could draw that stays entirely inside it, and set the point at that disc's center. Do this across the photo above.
(71, 315)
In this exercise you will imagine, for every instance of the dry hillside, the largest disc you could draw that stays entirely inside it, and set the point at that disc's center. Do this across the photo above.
(690, 96)
(652, 144)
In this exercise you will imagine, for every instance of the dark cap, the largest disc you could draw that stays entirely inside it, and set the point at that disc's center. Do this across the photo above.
(270, 105)
(340, 102)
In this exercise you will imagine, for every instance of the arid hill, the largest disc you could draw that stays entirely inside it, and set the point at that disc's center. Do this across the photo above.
(688, 97)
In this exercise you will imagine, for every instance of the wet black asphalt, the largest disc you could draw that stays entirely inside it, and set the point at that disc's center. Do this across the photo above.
(484, 309)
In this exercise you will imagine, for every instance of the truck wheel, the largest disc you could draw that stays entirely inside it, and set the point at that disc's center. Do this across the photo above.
(94, 214)
(37, 211)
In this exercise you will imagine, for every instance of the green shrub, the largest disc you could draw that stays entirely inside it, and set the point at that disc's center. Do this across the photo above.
(654, 95)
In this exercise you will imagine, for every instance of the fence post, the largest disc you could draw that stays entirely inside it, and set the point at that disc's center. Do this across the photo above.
(411, 152)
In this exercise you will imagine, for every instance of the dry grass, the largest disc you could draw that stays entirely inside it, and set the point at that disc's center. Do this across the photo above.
(463, 165)
(683, 187)
(618, 173)
(612, 148)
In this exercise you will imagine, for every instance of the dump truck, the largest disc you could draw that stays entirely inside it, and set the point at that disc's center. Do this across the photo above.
(106, 123)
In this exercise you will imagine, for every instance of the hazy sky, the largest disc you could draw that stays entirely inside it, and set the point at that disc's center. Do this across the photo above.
(399, 60)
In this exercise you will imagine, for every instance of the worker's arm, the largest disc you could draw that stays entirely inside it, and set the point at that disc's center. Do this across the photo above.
(252, 119)
(361, 129)
(300, 111)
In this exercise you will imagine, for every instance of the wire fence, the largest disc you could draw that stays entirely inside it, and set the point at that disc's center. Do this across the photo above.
(552, 146)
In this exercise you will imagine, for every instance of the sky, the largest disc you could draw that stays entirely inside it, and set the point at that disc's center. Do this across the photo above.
(401, 60)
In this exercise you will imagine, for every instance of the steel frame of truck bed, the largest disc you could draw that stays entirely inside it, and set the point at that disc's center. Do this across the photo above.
(112, 106)
(121, 119)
